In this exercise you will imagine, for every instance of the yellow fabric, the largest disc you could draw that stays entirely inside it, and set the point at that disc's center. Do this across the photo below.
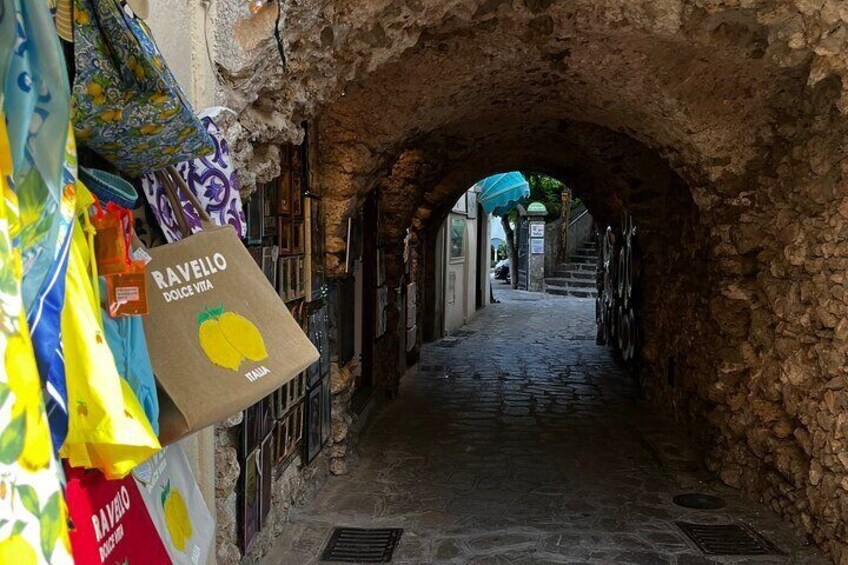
(107, 427)
(35, 530)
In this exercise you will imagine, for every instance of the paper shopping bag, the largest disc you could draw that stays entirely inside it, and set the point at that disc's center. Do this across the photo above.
(219, 336)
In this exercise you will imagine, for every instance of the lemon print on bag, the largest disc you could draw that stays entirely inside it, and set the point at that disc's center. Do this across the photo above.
(228, 338)
(177, 519)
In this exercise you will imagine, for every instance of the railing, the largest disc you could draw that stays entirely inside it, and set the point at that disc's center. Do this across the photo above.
(579, 230)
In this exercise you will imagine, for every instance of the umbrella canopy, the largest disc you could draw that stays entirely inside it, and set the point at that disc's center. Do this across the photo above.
(500, 193)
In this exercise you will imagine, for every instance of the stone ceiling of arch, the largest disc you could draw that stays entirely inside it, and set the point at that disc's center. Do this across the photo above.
(697, 76)
(665, 93)
(704, 97)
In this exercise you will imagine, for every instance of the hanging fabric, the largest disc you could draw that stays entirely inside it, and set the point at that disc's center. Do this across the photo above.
(108, 428)
(127, 105)
(36, 99)
(34, 525)
(125, 336)
(213, 182)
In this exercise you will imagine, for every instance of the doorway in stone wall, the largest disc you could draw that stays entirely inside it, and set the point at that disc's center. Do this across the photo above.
(483, 262)
(368, 330)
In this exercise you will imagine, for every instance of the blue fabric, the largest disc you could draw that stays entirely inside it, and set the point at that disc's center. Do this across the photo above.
(125, 336)
(43, 285)
(500, 193)
(35, 88)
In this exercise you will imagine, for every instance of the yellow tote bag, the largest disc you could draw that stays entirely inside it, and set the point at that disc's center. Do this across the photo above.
(107, 427)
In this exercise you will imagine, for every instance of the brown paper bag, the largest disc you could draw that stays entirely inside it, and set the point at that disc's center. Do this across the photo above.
(219, 337)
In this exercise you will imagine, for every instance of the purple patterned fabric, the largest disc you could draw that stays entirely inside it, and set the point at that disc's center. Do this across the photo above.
(212, 179)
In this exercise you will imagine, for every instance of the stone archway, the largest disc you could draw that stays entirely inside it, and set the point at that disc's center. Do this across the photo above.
(719, 126)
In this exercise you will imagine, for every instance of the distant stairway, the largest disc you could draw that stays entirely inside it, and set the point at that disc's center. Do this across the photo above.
(578, 276)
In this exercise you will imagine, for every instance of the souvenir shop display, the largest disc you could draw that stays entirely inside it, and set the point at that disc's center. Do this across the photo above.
(82, 327)
(107, 427)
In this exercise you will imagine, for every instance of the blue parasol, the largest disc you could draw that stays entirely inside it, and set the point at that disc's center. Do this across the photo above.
(500, 193)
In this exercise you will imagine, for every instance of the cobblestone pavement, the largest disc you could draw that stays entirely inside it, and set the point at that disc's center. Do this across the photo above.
(520, 441)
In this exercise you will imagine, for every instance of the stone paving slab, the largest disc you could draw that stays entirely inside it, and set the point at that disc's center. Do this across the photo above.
(525, 443)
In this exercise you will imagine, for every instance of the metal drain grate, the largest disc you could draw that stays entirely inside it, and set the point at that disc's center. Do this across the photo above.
(359, 545)
(728, 539)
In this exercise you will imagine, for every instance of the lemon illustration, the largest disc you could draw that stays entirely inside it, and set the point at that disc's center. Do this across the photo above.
(148, 129)
(215, 345)
(15, 549)
(243, 335)
(94, 89)
(227, 338)
(37, 444)
(177, 519)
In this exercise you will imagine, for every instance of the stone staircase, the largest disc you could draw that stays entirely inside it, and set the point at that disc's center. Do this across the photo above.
(577, 277)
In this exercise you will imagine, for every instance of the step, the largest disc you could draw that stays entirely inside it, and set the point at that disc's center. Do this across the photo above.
(590, 267)
(586, 255)
(567, 274)
(573, 283)
(565, 291)
(583, 261)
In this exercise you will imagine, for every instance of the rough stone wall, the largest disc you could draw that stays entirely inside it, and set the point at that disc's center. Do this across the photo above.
(782, 305)
(721, 125)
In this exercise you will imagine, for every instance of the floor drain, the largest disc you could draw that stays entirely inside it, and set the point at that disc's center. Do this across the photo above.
(699, 501)
(359, 545)
(447, 342)
(728, 539)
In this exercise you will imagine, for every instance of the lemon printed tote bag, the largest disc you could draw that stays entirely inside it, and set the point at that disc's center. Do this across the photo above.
(219, 336)
(176, 506)
(127, 105)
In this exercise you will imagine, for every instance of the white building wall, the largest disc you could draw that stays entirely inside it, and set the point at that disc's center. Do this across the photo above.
(180, 28)
(460, 276)
(456, 281)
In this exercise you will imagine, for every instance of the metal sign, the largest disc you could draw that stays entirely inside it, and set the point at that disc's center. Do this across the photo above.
(537, 230)
(537, 246)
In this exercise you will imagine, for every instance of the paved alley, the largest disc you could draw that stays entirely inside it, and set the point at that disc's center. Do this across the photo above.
(519, 441)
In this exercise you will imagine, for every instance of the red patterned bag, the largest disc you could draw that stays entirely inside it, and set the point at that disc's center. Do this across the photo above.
(110, 522)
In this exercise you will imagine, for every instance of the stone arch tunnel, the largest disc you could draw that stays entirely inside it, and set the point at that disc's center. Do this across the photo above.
(719, 125)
